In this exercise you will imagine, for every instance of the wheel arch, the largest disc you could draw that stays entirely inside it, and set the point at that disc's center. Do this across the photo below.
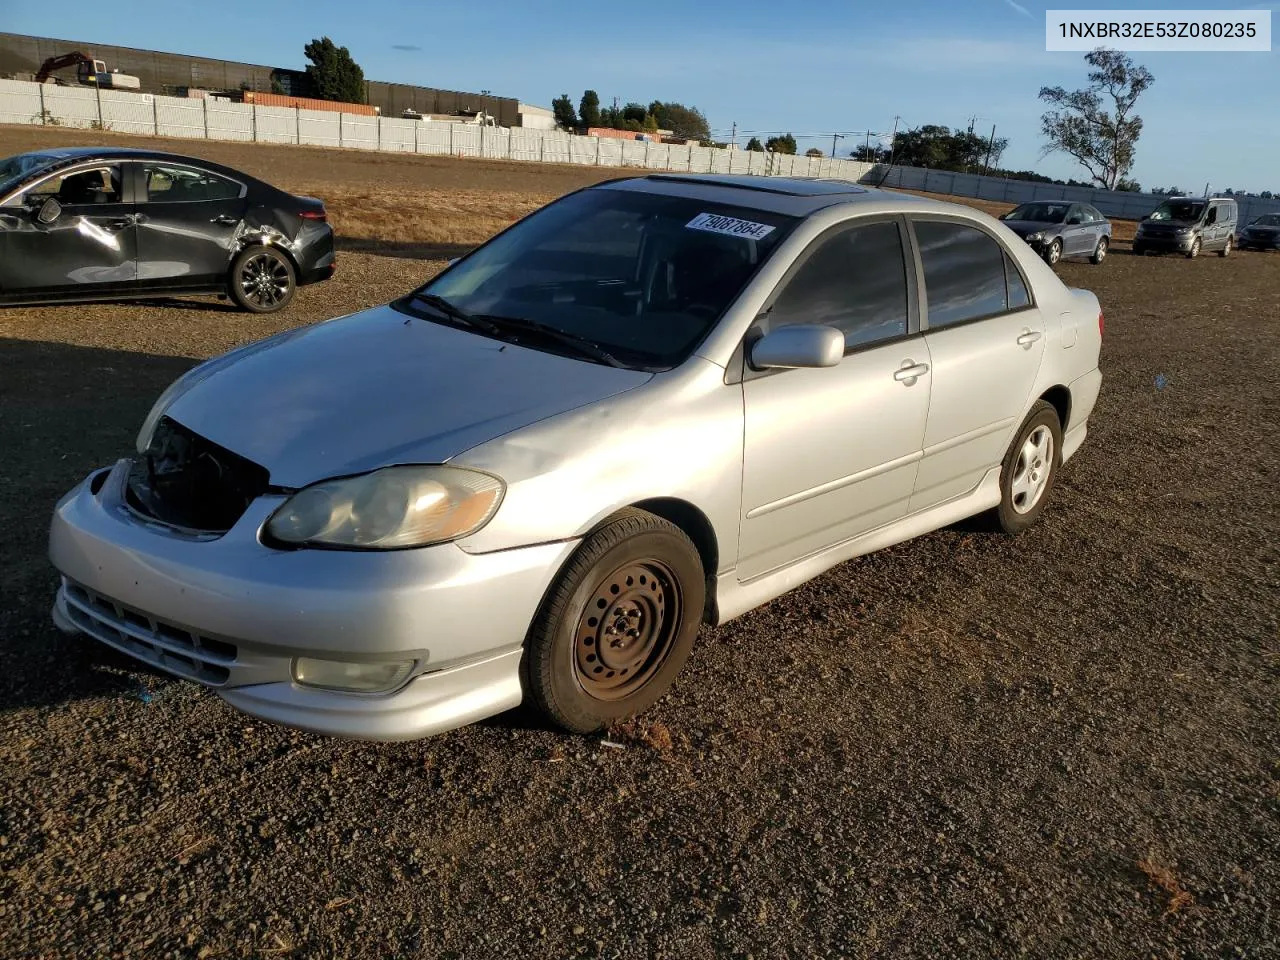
(1059, 397)
(698, 528)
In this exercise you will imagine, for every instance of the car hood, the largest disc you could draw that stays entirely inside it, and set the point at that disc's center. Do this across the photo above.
(1024, 227)
(379, 388)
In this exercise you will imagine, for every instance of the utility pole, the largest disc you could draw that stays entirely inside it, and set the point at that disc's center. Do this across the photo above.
(990, 146)
(733, 137)
(834, 138)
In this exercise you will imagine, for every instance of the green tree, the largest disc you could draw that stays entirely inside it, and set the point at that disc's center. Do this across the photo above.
(562, 107)
(332, 73)
(589, 109)
(650, 123)
(1133, 186)
(687, 123)
(938, 148)
(1266, 195)
(783, 144)
(634, 111)
(1097, 125)
(755, 145)
(814, 152)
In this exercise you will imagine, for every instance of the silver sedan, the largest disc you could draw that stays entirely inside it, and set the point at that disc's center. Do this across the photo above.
(655, 403)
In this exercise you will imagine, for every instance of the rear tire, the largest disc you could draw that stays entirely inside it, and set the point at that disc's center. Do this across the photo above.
(262, 279)
(617, 625)
(1030, 469)
(1100, 252)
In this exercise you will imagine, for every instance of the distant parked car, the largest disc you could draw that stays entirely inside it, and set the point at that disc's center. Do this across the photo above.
(92, 223)
(1262, 234)
(657, 402)
(1188, 225)
(1060, 229)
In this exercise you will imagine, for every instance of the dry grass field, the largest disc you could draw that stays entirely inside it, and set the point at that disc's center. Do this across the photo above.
(1061, 746)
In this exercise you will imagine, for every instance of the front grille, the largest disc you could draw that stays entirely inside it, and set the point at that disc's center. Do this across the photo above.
(186, 481)
(163, 645)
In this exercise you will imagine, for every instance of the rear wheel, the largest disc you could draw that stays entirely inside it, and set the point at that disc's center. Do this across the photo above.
(1054, 253)
(262, 279)
(618, 624)
(1030, 469)
(1226, 250)
(1100, 251)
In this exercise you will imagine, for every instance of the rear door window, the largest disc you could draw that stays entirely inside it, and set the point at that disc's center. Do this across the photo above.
(173, 184)
(964, 273)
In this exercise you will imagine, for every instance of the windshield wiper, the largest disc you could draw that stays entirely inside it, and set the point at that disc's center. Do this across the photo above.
(583, 345)
(447, 309)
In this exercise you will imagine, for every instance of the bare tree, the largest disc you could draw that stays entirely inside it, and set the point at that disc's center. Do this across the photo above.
(1097, 125)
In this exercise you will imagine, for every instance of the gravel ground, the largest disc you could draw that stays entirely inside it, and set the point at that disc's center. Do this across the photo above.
(1066, 745)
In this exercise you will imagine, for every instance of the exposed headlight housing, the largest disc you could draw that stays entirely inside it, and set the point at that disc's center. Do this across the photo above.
(389, 509)
(1035, 237)
(349, 677)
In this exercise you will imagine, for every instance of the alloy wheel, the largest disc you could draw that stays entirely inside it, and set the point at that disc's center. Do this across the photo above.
(1031, 474)
(264, 279)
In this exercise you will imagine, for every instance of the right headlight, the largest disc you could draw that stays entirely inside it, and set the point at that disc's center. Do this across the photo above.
(389, 509)
(1035, 237)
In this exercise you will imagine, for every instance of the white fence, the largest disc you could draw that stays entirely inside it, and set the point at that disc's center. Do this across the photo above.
(1124, 205)
(193, 119)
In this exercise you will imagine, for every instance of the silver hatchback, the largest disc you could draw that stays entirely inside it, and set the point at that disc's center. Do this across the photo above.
(655, 403)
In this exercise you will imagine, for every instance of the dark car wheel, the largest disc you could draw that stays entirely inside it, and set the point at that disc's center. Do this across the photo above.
(617, 625)
(1053, 253)
(1030, 469)
(262, 279)
(1100, 251)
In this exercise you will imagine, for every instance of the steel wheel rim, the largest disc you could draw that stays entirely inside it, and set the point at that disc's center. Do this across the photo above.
(1055, 251)
(1102, 249)
(627, 629)
(264, 279)
(1031, 471)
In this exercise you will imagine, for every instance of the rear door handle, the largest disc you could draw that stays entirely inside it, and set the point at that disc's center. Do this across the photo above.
(225, 220)
(909, 372)
(1029, 337)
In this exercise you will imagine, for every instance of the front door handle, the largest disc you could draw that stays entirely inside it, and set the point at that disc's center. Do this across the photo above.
(225, 220)
(910, 371)
(1028, 337)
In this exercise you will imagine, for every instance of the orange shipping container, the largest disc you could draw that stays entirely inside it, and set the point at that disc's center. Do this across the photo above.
(307, 103)
(618, 134)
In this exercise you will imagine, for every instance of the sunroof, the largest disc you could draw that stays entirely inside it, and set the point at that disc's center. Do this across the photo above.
(790, 186)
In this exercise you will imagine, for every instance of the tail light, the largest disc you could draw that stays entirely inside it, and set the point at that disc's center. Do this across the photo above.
(320, 215)
(1101, 323)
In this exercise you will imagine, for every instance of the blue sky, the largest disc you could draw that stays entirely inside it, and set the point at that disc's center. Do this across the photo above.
(808, 66)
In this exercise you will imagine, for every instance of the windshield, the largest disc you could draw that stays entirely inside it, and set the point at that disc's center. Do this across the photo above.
(1179, 210)
(14, 169)
(1269, 220)
(642, 276)
(1039, 212)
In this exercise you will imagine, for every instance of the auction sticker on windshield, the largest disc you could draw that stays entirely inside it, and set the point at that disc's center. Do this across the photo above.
(731, 226)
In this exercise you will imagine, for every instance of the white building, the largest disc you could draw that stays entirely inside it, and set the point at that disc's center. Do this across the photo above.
(537, 118)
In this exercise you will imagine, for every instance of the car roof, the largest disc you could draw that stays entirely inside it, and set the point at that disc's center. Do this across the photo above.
(133, 153)
(790, 196)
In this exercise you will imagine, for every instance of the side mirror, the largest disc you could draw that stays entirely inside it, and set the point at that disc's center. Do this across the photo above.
(801, 345)
(1074, 220)
(50, 210)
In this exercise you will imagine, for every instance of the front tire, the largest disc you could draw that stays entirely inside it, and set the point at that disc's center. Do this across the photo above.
(262, 279)
(1030, 469)
(617, 625)
(1226, 250)
(1100, 252)
(1195, 249)
(1054, 253)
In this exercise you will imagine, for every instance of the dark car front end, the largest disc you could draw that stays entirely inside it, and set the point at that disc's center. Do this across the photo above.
(1262, 234)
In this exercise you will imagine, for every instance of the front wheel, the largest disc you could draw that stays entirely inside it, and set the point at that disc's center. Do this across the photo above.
(617, 625)
(1099, 252)
(1054, 253)
(262, 279)
(1030, 469)
(1226, 250)
(1195, 249)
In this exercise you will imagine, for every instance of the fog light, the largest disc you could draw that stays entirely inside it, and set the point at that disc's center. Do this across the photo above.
(351, 677)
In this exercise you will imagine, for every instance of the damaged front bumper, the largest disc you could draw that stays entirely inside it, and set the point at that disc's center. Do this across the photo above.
(235, 615)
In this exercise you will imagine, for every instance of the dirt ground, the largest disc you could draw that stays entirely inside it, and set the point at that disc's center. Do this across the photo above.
(1063, 745)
